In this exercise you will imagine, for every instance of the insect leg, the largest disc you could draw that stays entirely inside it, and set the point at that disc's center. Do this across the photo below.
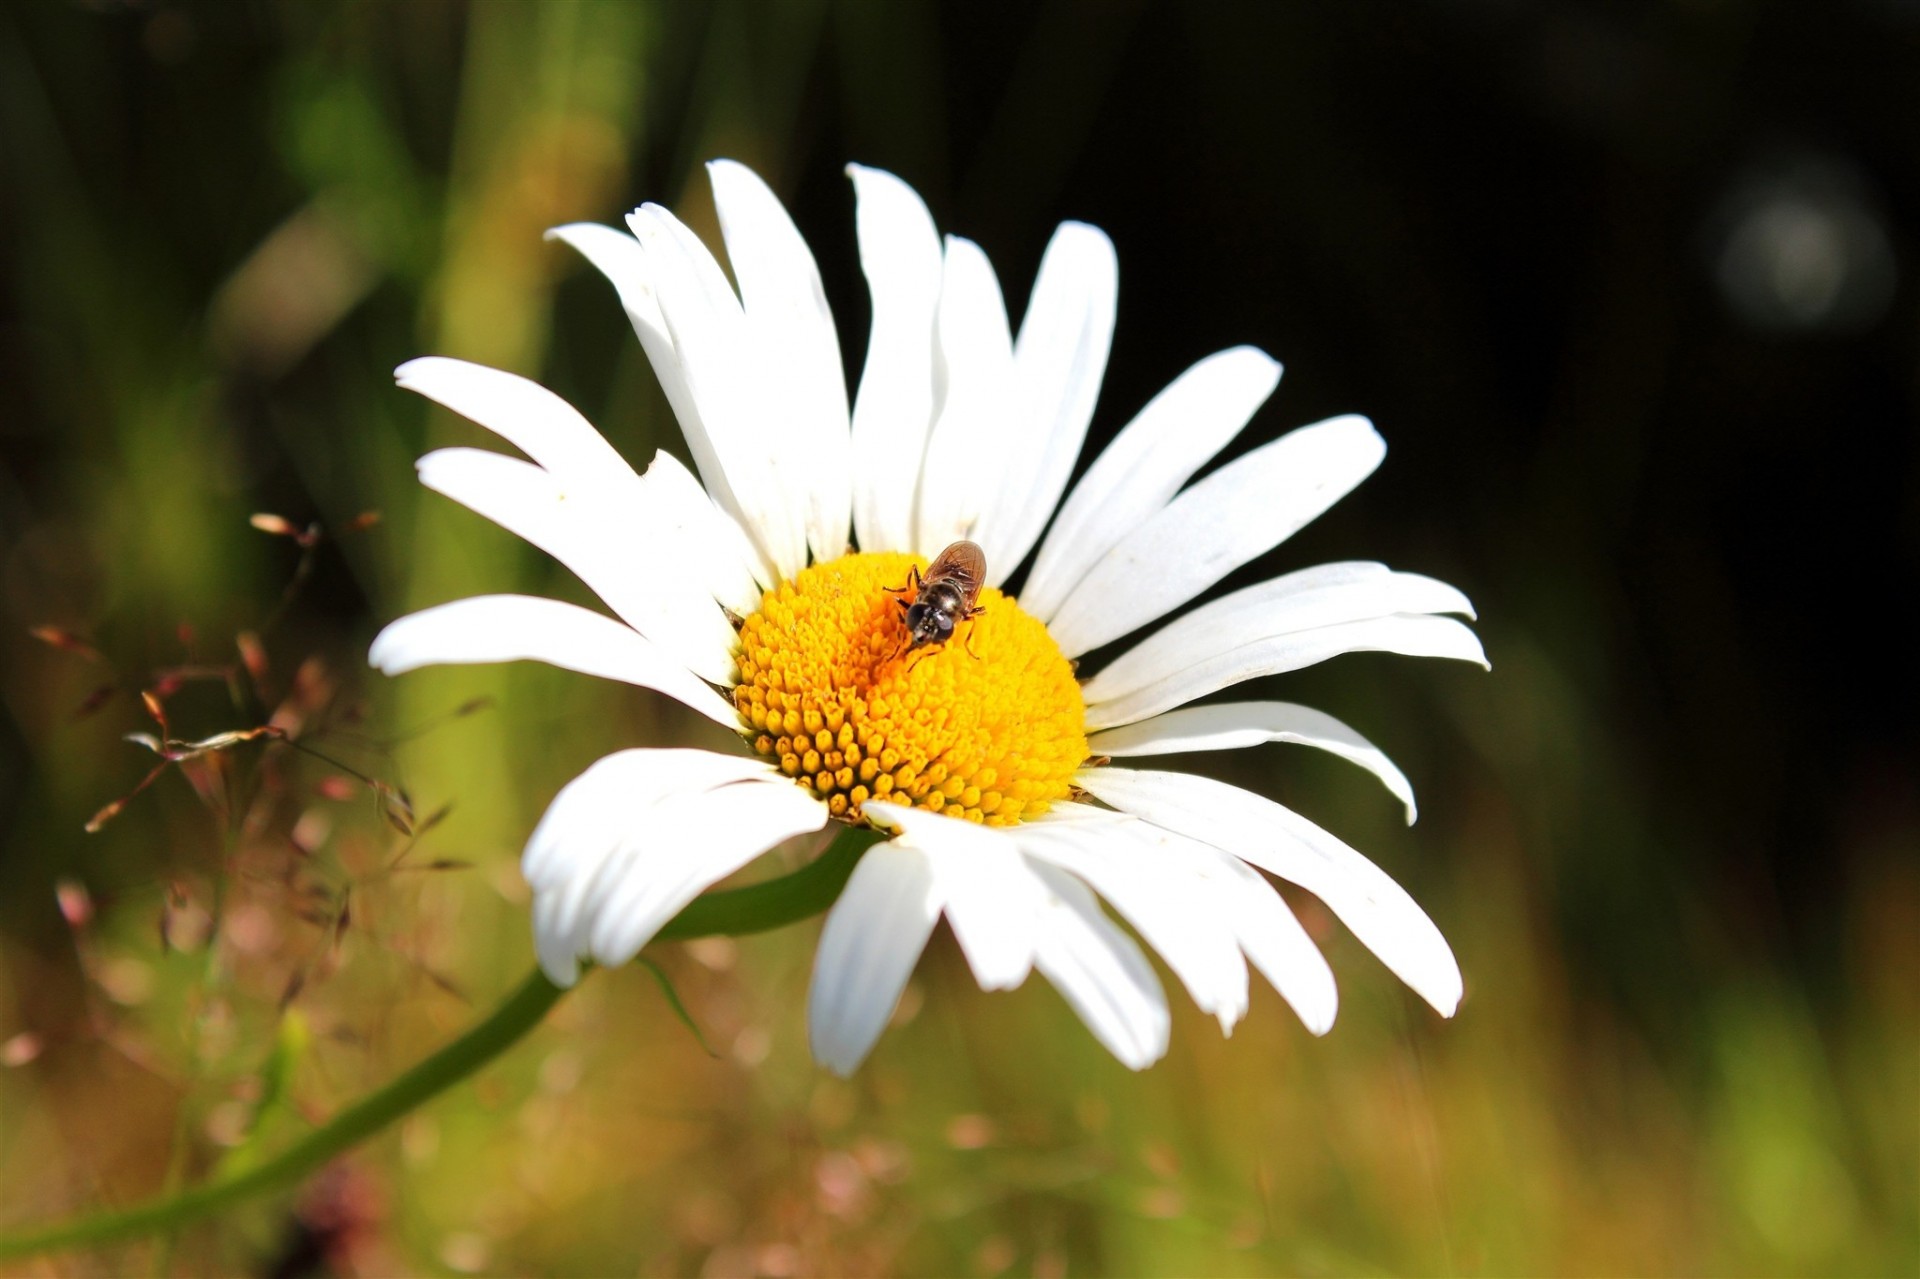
(911, 584)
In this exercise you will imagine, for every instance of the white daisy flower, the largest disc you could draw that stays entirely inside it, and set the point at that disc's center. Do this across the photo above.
(984, 755)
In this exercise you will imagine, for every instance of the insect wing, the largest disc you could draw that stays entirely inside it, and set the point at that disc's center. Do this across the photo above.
(964, 564)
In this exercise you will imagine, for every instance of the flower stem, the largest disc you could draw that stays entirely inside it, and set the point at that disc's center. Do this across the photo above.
(519, 1014)
(753, 909)
(776, 903)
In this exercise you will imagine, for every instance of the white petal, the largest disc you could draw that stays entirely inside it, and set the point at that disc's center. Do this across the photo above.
(1176, 434)
(1058, 362)
(551, 944)
(688, 844)
(511, 628)
(591, 813)
(632, 562)
(1240, 511)
(653, 226)
(717, 549)
(975, 439)
(1276, 943)
(1232, 725)
(987, 889)
(592, 823)
(525, 414)
(539, 423)
(1102, 974)
(1129, 863)
(787, 311)
(873, 937)
(900, 253)
(1417, 636)
(707, 273)
(622, 260)
(1276, 839)
(1308, 598)
(754, 471)
(1237, 904)
(617, 255)
(587, 822)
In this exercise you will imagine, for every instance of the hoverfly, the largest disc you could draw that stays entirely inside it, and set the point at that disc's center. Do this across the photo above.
(944, 595)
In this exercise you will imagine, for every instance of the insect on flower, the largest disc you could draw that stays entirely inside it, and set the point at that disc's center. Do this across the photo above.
(944, 595)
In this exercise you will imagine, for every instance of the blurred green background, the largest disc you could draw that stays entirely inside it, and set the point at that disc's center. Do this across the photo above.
(1622, 286)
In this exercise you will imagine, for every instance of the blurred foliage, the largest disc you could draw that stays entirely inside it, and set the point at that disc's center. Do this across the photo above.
(1621, 285)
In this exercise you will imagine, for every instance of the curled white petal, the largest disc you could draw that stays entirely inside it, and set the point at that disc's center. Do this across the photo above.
(525, 414)
(512, 628)
(1245, 508)
(1170, 904)
(1184, 886)
(1101, 973)
(618, 256)
(638, 835)
(688, 844)
(1233, 725)
(1276, 839)
(617, 547)
(572, 859)
(609, 791)
(1275, 943)
(555, 435)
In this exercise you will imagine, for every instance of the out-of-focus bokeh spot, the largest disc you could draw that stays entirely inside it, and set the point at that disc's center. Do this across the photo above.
(1799, 246)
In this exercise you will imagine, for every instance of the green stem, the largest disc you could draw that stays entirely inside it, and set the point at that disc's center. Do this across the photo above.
(777, 902)
(522, 1011)
(753, 909)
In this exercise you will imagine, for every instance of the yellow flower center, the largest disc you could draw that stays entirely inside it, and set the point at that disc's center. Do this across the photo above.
(988, 725)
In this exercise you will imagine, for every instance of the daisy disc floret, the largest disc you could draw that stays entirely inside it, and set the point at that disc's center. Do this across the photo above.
(772, 597)
(987, 727)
